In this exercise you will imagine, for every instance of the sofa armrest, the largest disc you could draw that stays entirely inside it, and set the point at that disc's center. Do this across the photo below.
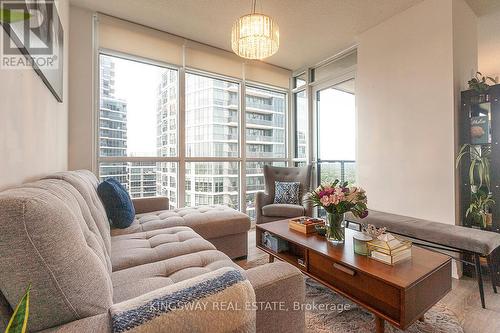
(261, 199)
(96, 324)
(151, 204)
(280, 293)
(219, 301)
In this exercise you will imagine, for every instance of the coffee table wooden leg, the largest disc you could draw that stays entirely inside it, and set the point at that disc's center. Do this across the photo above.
(422, 319)
(271, 258)
(379, 324)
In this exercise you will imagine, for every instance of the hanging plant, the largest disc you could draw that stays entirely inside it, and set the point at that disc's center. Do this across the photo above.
(479, 163)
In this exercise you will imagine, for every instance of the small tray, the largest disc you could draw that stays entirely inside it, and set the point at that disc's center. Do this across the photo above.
(305, 225)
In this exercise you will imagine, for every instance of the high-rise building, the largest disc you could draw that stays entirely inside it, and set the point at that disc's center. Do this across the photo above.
(142, 179)
(166, 136)
(113, 124)
(212, 130)
(265, 137)
(139, 178)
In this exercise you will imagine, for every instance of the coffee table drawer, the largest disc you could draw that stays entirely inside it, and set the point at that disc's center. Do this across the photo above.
(362, 287)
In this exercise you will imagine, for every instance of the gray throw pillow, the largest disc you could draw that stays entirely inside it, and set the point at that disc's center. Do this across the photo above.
(286, 193)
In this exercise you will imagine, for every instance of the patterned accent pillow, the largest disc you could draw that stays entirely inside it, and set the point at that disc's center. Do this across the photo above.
(192, 305)
(286, 193)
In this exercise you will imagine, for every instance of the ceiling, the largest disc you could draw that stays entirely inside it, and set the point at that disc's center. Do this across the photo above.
(310, 31)
(481, 7)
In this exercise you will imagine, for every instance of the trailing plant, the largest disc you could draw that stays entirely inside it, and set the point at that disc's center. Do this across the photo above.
(478, 208)
(479, 82)
(19, 320)
(479, 163)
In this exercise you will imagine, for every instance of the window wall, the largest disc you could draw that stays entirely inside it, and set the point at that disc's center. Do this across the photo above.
(231, 128)
(300, 120)
(336, 145)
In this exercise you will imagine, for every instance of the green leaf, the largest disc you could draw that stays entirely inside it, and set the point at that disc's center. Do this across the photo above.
(11, 16)
(19, 320)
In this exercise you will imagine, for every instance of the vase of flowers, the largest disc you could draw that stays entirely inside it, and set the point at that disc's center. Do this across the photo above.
(337, 199)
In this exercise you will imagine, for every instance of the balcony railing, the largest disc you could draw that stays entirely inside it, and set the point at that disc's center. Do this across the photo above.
(265, 138)
(329, 170)
(271, 123)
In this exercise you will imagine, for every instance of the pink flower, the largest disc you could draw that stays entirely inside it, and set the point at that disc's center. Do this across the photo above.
(334, 199)
(325, 201)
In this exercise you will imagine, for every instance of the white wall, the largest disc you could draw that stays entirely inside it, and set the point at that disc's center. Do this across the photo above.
(33, 125)
(406, 88)
(489, 44)
(81, 90)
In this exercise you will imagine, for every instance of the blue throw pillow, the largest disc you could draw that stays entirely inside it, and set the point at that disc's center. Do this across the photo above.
(117, 202)
(286, 193)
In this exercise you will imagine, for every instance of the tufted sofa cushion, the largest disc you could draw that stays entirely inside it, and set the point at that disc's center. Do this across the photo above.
(131, 282)
(150, 246)
(208, 221)
(46, 242)
(86, 183)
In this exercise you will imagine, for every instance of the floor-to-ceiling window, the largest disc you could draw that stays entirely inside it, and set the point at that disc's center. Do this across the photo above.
(230, 130)
(265, 136)
(301, 120)
(336, 133)
(212, 131)
(137, 141)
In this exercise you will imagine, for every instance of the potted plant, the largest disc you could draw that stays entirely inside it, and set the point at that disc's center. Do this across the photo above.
(479, 163)
(337, 199)
(479, 83)
(18, 323)
(478, 211)
(481, 198)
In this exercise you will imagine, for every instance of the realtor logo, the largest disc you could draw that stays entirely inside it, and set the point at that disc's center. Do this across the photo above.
(32, 34)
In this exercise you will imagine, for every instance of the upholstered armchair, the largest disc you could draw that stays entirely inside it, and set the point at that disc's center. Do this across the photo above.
(265, 208)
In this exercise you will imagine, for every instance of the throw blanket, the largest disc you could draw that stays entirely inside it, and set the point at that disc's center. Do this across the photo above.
(219, 301)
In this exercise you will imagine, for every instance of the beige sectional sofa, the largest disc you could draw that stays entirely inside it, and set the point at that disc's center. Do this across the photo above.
(54, 235)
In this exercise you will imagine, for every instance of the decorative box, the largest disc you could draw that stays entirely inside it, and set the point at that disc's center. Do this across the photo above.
(305, 225)
(389, 249)
(274, 243)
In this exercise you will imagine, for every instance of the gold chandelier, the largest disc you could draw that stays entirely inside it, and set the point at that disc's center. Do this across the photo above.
(255, 36)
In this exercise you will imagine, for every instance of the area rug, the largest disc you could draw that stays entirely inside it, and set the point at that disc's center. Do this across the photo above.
(328, 312)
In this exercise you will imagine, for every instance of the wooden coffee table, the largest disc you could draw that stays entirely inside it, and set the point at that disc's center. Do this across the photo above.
(399, 294)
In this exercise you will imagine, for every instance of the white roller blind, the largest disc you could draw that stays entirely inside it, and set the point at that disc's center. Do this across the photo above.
(214, 60)
(126, 37)
(261, 72)
(123, 36)
(336, 67)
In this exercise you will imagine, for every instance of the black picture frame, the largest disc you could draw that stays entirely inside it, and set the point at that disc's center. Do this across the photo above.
(50, 28)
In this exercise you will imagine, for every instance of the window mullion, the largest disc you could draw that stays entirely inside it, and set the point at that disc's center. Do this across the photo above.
(181, 183)
(243, 150)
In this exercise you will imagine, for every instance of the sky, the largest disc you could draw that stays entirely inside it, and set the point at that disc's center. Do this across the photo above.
(137, 83)
(337, 128)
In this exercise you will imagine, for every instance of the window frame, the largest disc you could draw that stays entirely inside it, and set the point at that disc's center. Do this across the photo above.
(317, 161)
(181, 159)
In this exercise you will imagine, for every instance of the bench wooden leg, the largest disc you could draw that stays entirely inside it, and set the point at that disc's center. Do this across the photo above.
(493, 273)
(479, 277)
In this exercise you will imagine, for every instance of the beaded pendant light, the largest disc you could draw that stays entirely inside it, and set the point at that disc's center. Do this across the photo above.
(255, 36)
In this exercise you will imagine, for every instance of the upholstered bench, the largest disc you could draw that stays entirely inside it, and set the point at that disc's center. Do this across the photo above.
(446, 237)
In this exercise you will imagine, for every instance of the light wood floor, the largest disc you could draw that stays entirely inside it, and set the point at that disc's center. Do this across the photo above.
(463, 299)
